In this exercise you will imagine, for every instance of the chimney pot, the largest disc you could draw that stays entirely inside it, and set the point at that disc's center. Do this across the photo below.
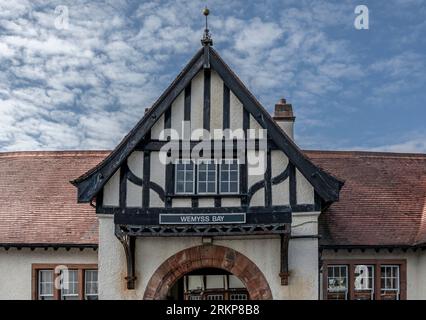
(284, 116)
(283, 111)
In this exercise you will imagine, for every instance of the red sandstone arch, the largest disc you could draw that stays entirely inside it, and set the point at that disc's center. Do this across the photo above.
(207, 256)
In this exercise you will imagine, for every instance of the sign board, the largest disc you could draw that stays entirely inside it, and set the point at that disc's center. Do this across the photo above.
(202, 218)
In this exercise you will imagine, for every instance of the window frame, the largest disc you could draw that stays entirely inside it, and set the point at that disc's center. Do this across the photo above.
(181, 161)
(200, 161)
(346, 291)
(57, 295)
(39, 271)
(196, 178)
(398, 277)
(220, 176)
(75, 281)
(85, 284)
(377, 263)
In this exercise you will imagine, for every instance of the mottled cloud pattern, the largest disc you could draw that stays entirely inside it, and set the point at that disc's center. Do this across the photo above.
(85, 85)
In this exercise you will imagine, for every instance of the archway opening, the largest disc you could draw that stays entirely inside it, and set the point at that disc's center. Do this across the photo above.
(208, 284)
(207, 256)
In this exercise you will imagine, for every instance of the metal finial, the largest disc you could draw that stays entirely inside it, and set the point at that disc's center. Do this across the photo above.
(206, 40)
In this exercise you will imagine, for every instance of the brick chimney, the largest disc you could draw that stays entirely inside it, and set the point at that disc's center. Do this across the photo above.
(284, 117)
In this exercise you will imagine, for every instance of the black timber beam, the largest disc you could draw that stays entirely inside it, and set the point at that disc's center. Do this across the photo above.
(327, 186)
(92, 182)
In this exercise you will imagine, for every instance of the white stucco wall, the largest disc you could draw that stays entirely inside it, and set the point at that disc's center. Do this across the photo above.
(16, 268)
(263, 251)
(416, 266)
(197, 101)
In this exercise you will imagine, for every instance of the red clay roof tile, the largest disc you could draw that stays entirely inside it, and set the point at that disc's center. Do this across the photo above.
(37, 202)
(383, 201)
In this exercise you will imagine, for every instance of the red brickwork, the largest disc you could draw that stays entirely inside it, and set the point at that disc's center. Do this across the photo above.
(207, 256)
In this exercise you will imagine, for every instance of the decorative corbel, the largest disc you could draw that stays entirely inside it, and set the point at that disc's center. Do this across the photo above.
(129, 244)
(284, 274)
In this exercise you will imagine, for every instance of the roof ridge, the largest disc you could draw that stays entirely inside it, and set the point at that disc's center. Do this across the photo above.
(51, 153)
(369, 153)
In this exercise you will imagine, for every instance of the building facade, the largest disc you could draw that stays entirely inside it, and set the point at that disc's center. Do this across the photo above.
(209, 198)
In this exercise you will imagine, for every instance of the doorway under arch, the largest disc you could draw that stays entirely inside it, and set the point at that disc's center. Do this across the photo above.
(207, 256)
(208, 284)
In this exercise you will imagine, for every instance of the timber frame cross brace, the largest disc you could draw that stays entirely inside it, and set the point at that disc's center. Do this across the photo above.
(129, 244)
(284, 273)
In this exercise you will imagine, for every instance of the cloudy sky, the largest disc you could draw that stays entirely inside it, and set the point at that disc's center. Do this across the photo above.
(79, 74)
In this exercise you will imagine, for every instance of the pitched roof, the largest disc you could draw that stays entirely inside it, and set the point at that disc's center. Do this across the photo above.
(90, 183)
(383, 201)
(37, 202)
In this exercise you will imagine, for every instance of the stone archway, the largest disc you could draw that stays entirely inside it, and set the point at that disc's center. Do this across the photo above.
(207, 256)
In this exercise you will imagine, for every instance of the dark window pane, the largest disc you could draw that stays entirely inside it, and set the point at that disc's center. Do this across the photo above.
(180, 176)
(188, 187)
(189, 175)
(224, 176)
(234, 176)
(224, 187)
(211, 176)
(211, 187)
(179, 186)
(234, 187)
(202, 176)
(202, 187)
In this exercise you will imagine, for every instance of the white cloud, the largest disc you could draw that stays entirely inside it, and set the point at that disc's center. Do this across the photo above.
(91, 82)
(414, 144)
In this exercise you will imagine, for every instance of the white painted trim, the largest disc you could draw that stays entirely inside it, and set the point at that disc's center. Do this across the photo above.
(306, 214)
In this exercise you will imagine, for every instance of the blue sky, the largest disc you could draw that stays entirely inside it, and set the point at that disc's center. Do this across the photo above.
(83, 82)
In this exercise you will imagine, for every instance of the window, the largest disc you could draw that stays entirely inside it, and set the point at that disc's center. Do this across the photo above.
(238, 296)
(207, 176)
(337, 283)
(69, 285)
(389, 282)
(364, 282)
(64, 282)
(206, 180)
(91, 284)
(45, 285)
(364, 279)
(210, 285)
(184, 177)
(229, 176)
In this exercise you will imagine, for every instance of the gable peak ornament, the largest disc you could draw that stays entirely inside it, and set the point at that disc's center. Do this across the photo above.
(206, 40)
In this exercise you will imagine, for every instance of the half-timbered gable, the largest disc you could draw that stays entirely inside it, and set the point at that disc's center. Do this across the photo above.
(208, 160)
(201, 105)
